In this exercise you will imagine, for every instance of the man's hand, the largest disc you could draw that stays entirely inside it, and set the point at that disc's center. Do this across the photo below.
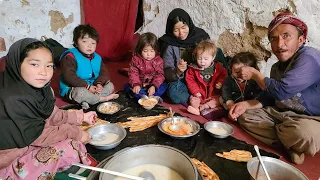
(136, 89)
(182, 66)
(237, 110)
(151, 90)
(230, 103)
(93, 89)
(90, 117)
(85, 137)
(99, 88)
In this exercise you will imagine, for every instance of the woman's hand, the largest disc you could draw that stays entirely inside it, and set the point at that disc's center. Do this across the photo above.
(182, 66)
(151, 90)
(99, 88)
(90, 117)
(237, 110)
(85, 137)
(136, 89)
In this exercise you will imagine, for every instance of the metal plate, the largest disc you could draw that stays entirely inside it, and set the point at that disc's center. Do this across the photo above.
(102, 105)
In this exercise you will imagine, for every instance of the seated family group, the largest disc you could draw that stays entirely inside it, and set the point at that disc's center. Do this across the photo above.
(38, 139)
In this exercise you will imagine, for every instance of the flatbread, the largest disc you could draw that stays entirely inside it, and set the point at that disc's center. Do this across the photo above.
(205, 171)
(141, 123)
(86, 126)
(236, 155)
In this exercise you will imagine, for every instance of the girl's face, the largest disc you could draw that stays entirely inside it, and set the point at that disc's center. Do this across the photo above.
(37, 67)
(148, 53)
(236, 68)
(204, 59)
(87, 45)
(180, 30)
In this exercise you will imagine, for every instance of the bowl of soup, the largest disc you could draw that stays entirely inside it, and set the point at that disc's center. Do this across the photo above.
(218, 129)
(148, 102)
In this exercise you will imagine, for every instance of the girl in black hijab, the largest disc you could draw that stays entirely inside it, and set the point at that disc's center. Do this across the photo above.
(36, 136)
(176, 50)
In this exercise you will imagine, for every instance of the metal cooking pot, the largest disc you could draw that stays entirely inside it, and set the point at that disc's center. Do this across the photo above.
(152, 154)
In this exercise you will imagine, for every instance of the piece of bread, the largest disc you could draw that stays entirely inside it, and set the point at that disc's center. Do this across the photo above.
(205, 171)
(86, 126)
(236, 155)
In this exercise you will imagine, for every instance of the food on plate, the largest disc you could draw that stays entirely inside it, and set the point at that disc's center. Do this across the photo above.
(142, 123)
(218, 130)
(148, 102)
(86, 126)
(158, 171)
(109, 138)
(109, 109)
(185, 128)
(236, 155)
(72, 110)
(205, 171)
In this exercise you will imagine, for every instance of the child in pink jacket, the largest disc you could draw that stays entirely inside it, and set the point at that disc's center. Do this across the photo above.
(146, 75)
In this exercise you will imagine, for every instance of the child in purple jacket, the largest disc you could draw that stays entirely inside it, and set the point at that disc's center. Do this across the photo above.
(146, 75)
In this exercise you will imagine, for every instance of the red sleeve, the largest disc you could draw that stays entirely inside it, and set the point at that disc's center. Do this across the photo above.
(223, 74)
(191, 82)
(134, 75)
(159, 77)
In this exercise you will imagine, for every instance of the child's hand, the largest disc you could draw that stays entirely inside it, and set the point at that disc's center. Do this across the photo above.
(93, 89)
(136, 89)
(99, 88)
(151, 90)
(198, 95)
(90, 117)
(85, 137)
(219, 85)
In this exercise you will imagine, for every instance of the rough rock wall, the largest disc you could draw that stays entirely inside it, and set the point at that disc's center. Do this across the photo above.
(235, 25)
(35, 18)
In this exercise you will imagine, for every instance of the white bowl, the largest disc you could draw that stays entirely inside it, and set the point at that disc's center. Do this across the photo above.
(219, 125)
(146, 98)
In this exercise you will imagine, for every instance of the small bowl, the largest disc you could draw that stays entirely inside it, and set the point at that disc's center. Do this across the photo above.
(146, 98)
(218, 124)
(108, 128)
(193, 124)
(276, 168)
(105, 104)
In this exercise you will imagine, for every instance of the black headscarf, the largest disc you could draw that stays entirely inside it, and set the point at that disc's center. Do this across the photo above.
(194, 37)
(23, 108)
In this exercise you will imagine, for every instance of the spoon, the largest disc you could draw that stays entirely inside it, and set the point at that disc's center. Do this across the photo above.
(109, 172)
(146, 175)
(98, 137)
(256, 148)
(173, 127)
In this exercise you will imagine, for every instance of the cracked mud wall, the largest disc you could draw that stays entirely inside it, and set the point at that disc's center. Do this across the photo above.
(35, 18)
(235, 25)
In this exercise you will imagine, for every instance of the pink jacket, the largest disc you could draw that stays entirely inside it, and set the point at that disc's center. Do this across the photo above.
(61, 125)
(197, 85)
(146, 72)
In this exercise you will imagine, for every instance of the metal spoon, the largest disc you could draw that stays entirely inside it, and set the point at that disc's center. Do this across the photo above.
(98, 137)
(173, 127)
(256, 148)
(146, 175)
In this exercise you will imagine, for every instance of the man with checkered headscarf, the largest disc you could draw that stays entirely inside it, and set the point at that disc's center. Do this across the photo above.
(287, 113)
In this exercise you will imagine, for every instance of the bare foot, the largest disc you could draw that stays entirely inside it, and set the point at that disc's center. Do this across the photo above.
(297, 158)
(193, 110)
(109, 97)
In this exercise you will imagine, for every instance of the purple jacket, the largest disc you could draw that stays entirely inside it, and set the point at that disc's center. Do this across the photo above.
(296, 87)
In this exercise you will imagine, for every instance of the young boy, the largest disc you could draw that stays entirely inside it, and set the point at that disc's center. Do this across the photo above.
(203, 78)
(83, 77)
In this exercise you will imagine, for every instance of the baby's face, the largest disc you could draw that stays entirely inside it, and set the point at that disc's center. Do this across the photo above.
(87, 45)
(236, 68)
(148, 53)
(204, 59)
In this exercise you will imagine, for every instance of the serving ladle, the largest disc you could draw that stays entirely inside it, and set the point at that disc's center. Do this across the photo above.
(146, 175)
(256, 148)
(98, 137)
(173, 126)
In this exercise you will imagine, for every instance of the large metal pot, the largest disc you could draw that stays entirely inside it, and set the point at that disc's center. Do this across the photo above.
(152, 154)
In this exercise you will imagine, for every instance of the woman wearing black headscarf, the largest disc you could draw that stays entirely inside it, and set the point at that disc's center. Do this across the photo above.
(37, 138)
(176, 50)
